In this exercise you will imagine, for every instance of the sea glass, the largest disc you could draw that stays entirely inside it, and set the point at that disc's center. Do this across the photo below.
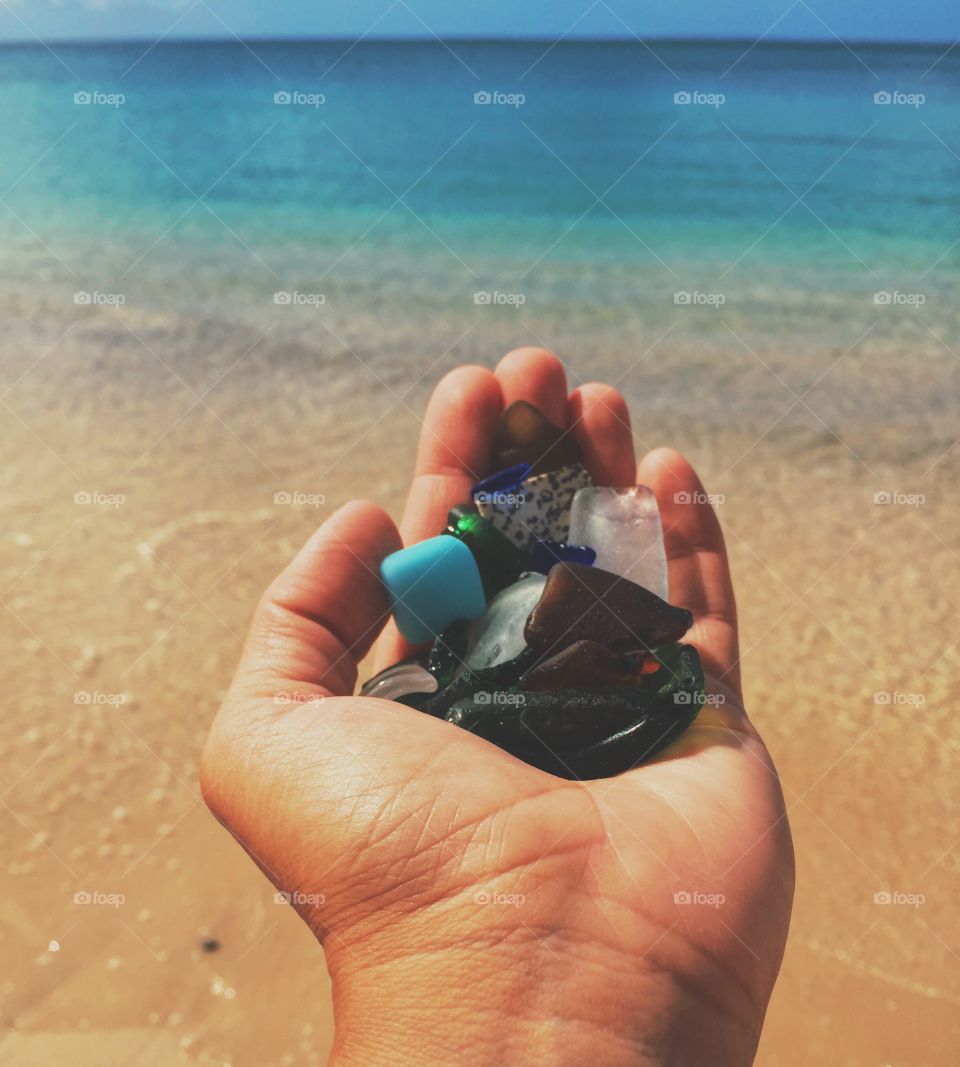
(546, 599)
(588, 733)
(446, 656)
(498, 636)
(504, 481)
(540, 511)
(488, 679)
(498, 559)
(431, 584)
(623, 527)
(524, 435)
(400, 680)
(587, 603)
(546, 554)
(582, 665)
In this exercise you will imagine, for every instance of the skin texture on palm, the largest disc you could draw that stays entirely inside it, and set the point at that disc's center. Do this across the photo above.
(474, 909)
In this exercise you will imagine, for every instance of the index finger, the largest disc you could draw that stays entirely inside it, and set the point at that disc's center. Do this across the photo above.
(453, 455)
(454, 450)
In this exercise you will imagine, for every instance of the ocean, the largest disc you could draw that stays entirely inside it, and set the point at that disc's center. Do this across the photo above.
(765, 199)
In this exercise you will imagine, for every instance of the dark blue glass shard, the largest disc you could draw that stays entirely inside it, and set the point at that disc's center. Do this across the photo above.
(546, 554)
(509, 480)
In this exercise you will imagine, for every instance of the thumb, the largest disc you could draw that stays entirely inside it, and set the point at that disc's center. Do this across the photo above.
(315, 622)
(319, 617)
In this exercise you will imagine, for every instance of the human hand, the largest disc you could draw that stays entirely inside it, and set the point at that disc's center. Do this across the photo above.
(474, 909)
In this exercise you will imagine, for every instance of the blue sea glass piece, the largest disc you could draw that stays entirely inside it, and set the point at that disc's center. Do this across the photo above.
(431, 584)
(505, 482)
(547, 553)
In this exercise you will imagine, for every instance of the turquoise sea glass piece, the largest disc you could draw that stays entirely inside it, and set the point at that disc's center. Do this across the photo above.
(499, 560)
(431, 584)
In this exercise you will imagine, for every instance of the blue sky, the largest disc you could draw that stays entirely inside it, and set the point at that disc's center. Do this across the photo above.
(919, 20)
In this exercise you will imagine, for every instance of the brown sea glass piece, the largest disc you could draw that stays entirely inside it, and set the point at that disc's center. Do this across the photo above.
(582, 665)
(524, 435)
(588, 604)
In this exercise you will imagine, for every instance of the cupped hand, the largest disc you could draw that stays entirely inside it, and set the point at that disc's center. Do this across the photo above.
(474, 909)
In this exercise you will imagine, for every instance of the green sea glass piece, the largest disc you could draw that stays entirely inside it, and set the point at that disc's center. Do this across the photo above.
(501, 677)
(588, 733)
(446, 655)
(498, 559)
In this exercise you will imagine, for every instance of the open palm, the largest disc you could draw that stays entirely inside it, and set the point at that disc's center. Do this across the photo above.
(424, 857)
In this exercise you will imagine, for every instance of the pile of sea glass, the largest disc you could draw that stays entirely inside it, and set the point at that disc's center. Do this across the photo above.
(545, 602)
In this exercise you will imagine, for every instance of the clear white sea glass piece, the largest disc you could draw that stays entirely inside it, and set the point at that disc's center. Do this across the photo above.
(623, 527)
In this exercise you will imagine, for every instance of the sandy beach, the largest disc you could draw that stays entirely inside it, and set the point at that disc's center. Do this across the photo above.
(139, 524)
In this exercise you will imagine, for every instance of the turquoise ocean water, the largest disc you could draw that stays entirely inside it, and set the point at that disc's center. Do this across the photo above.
(501, 183)
(587, 186)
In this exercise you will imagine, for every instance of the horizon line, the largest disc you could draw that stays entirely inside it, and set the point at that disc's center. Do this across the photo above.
(832, 41)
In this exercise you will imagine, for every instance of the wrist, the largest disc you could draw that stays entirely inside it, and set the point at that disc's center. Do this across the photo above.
(535, 1000)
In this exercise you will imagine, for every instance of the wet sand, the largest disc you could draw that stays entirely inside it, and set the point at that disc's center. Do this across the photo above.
(124, 609)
